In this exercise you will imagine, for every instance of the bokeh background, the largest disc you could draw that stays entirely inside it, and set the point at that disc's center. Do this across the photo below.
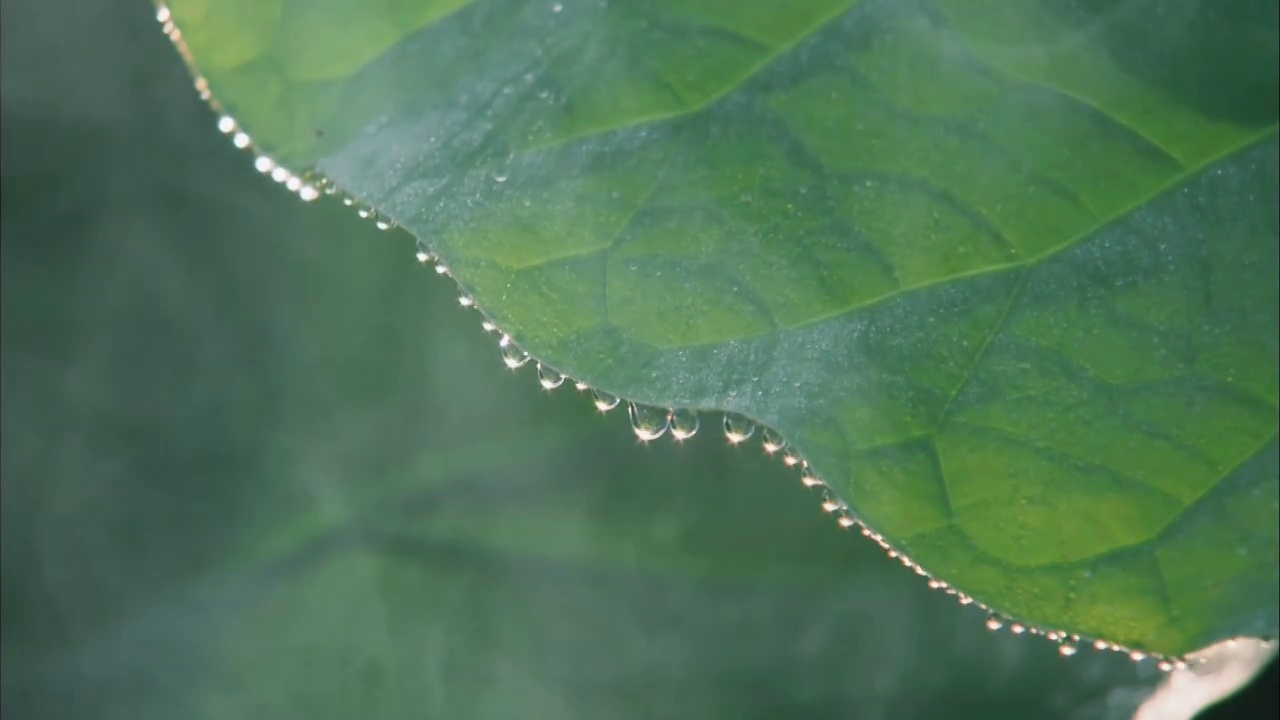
(258, 463)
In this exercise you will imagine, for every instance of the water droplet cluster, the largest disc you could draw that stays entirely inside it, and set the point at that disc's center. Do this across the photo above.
(647, 422)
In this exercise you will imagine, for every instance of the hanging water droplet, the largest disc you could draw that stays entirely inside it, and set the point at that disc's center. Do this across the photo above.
(965, 600)
(364, 213)
(348, 201)
(548, 378)
(1137, 656)
(684, 424)
(226, 124)
(280, 174)
(465, 301)
(512, 356)
(294, 183)
(1165, 666)
(441, 268)
(580, 386)
(163, 14)
(604, 402)
(737, 429)
(1066, 649)
(994, 622)
(499, 176)
(264, 164)
(649, 423)
(240, 140)
(791, 459)
(1101, 645)
(832, 505)
(808, 479)
(1017, 628)
(423, 252)
(846, 521)
(488, 326)
(771, 441)
(384, 224)
(308, 193)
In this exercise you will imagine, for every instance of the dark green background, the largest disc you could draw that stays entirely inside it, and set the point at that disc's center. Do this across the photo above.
(257, 463)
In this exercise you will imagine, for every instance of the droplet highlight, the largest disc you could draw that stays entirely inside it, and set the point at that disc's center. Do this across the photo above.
(737, 430)
(603, 401)
(549, 379)
(994, 622)
(512, 356)
(684, 424)
(771, 441)
(648, 423)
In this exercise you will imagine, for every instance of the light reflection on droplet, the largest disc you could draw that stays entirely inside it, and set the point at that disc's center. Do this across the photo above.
(466, 301)
(264, 164)
(226, 124)
(549, 379)
(771, 442)
(1066, 649)
(308, 193)
(163, 14)
(1017, 628)
(240, 140)
(994, 623)
(684, 424)
(737, 430)
(280, 174)
(603, 401)
(580, 386)
(512, 356)
(810, 480)
(648, 423)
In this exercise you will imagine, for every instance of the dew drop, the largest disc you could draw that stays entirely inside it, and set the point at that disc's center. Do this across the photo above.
(580, 386)
(489, 327)
(465, 301)
(1137, 656)
(364, 213)
(1017, 628)
(240, 140)
(163, 14)
(264, 164)
(809, 480)
(649, 423)
(994, 622)
(308, 193)
(384, 224)
(737, 429)
(280, 174)
(512, 356)
(1165, 666)
(294, 183)
(846, 521)
(831, 505)
(549, 379)
(348, 201)
(1101, 645)
(423, 252)
(791, 460)
(226, 124)
(771, 442)
(500, 176)
(684, 424)
(1066, 649)
(604, 402)
(442, 269)
(965, 600)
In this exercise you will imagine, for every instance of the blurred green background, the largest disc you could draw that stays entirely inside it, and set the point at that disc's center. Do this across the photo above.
(257, 463)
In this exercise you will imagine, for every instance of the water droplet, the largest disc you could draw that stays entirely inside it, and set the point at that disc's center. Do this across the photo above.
(649, 423)
(831, 505)
(808, 479)
(226, 124)
(965, 599)
(512, 356)
(280, 174)
(364, 213)
(1165, 666)
(846, 521)
(1101, 645)
(348, 201)
(604, 402)
(684, 424)
(264, 164)
(163, 14)
(294, 183)
(580, 386)
(791, 459)
(1066, 649)
(240, 140)
(549, 379)
(489, 327)
(384, 224)
(1017, 628)
(771, 441)
(737, 429)
(308, 193)
(500, 176)
(1137, 656)
(466, 301)
(441, 268)
(994, 622)
(557, 8)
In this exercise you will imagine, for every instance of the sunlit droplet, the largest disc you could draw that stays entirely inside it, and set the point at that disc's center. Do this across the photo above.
(1066, 649)
(810, 480)
(737, 429)
(549, 379)
(364, 213)
(1017, 628)
(466, 301)
(442, 269)
(648, 423)
(580, 386)
(1165, 666)
(846, 521)
(280, 174)
(832, 505)
(994, 622)
(604, 402)
(1101, 645)
(791, 460)
(163, 14)
(264, 164)
(226, 124)
(512, 356)
(771, 442)
(684, 424)
(1137, 656)
(308, 193)
(500, 176)
(240, 140)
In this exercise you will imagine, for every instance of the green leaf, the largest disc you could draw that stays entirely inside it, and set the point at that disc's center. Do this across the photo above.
(1004, 273)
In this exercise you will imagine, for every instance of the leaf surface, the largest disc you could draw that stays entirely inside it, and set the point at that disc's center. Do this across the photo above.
(1004, 273)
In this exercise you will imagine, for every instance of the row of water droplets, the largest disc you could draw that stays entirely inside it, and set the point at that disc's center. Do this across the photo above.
(647, 422)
